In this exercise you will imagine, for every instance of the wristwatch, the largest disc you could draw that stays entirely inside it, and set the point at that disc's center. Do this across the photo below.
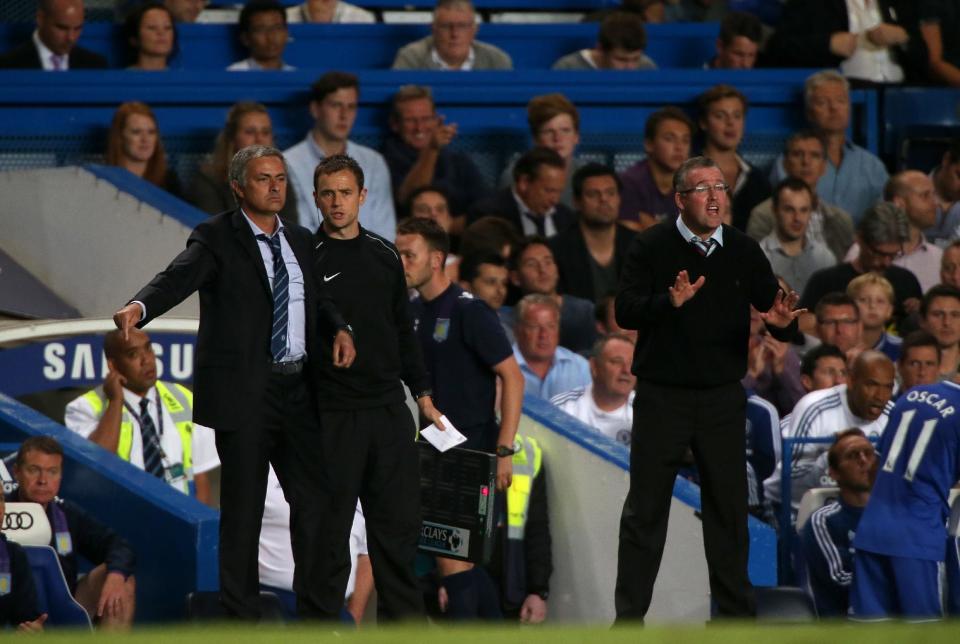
(348, 329)
(504, 450)
(543, 594)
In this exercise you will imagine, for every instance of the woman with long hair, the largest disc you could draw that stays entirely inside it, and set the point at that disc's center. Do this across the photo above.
(134, 144)
(150, 31)
(248, 123)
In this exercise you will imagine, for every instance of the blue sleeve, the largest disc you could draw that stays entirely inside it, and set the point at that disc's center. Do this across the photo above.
(827, 595)
(483, 333)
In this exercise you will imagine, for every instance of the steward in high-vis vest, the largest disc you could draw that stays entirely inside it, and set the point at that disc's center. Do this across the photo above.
(522, 560)
(144, 421)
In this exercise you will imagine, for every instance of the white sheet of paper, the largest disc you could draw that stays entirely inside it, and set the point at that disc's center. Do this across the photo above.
(443, 440)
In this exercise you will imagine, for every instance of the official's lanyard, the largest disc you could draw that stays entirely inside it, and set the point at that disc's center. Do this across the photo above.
(159, 433)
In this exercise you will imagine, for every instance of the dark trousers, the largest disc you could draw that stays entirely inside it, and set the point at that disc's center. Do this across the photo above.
(288, 436)
(666, 421)
(371, 455)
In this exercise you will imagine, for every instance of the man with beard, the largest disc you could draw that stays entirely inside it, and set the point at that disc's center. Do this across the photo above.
(589, 255)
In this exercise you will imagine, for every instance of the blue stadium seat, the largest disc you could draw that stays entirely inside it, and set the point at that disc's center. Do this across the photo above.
(53, 594)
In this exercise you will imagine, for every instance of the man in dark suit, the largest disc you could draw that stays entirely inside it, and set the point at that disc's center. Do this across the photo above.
(259, 309)
(589, 255)
(54, 43)
(532, 204)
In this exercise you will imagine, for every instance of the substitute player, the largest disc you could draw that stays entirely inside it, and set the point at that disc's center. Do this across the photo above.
(901, 541)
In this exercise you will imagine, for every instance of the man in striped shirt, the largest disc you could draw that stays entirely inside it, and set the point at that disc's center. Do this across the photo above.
(827, 537)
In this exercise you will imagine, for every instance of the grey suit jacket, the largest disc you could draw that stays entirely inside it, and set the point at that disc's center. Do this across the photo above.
(416, 55)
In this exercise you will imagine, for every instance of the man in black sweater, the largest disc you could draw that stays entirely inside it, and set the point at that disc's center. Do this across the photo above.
(368, 433)
(687, 286)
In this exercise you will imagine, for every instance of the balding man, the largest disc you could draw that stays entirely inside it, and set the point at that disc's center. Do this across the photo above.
(145, 421)
(862, 402)
(912, 191)
(452, 44)
(53, 47)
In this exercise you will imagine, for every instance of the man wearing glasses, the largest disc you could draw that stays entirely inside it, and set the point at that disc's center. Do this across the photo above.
(687, 286)
(881, 235)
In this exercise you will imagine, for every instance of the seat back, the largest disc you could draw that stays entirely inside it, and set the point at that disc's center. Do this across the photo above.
(814, 499)
(53, 594)
(27, 524)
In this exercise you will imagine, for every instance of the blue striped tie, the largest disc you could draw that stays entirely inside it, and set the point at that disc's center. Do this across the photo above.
(152, 459)
(281, 298)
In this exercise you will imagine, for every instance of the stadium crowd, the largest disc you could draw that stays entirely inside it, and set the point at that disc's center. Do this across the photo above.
(874, 255)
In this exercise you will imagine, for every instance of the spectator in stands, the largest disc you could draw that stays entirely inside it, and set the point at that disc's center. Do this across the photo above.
(548, 368)
(263, 31)
(186, 10)
(149, 31)
(822, 367)
(738, 42)
(946, 181)
(108, 591)
(919, 362)
(881, 234)
(134, 144)
(452, 44)
(862, 403)
(950, 265)
(839, 324)
(606, 404)
(554, 123)
(589, 255)
(693, 10)
(490, 235)
(869, 42)
(939, 22)
(18, 603)
(792, 252)
(723, 112)
(329, 11)
(874, 297)
(805, 158)
(486, 277)
(532, 204)
(827, 537)
(145, 421)
(54, 43)
(647, 196)
(431, 202)
(533, 269)
(940, 316)
(620, 46)
(247, 123)
(418, 152)
(333, 106)
(773, 369)
(275, 557)
(854, 177)
(912, 191)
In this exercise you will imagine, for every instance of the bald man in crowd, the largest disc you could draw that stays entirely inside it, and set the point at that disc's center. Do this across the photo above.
(53, 46)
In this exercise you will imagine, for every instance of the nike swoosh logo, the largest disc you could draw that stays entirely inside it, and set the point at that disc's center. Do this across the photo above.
(327, 278)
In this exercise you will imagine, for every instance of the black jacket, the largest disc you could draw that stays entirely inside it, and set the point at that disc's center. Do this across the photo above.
(26, 57)
(19, 604)
(503, 205)
(573, 260)
(802, 38)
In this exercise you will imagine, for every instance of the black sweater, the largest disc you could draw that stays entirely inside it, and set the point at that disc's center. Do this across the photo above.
(704, 342)
(365, 278)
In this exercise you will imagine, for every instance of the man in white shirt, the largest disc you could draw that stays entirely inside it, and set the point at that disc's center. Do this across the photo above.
(145, 421)
(333, 106)
(276, 555)
(329, 11)
(863, 402)
(263, 31)
(606, 404)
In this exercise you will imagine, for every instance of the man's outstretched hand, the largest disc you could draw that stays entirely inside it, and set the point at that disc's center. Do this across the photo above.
(782, 313)
(127, 318)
